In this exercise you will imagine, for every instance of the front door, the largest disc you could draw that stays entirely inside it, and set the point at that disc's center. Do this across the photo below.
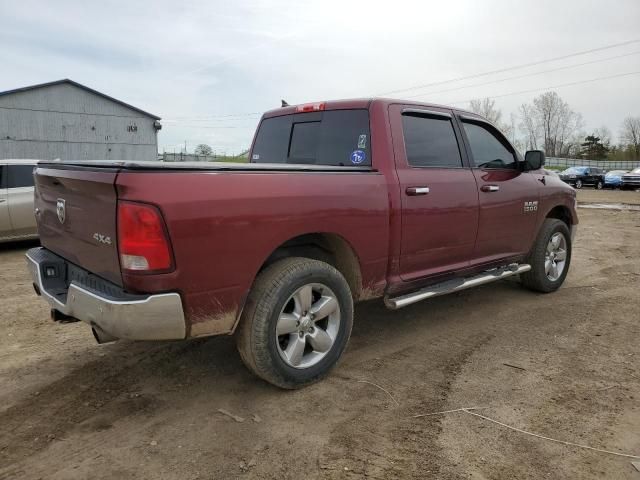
(508, 197)
(439, 194)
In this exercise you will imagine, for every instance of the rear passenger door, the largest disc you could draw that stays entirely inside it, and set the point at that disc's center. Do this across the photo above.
(508, 197)
(20, 191)
(5, 223)
(439, 194)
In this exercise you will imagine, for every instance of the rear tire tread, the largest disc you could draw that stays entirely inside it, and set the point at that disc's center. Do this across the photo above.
(252, 338)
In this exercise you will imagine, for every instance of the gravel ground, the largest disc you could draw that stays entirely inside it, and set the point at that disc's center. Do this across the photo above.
(564, 365)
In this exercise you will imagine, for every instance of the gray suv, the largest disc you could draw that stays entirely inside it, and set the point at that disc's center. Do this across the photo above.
(17, 219)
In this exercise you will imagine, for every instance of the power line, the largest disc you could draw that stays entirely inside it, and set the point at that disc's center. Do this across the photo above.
(213, 126)
(232, 121)
(241, 116)
(525, 75)
(205, 117)
(550, 87)
(515, 67)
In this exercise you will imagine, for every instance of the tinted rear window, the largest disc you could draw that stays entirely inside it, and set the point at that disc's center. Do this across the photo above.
(334, 137)
(3, 176)
(430, 142)
(20, 176)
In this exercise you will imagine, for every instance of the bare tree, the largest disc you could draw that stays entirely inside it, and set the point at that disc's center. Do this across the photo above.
(551, 124)
(630, 134)
(604, 134)
(203, 149)
(487, 108)
(529, 126)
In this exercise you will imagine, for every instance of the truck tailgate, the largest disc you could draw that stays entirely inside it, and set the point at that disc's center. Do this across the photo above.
(76, 210)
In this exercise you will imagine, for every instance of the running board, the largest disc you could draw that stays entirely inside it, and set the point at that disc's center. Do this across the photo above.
(456, 285)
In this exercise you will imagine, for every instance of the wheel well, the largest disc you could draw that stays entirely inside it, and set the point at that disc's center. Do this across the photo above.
(326, 247)
(561, 213)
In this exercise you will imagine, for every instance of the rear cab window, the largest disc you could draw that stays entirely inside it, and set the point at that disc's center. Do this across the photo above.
(330, 137)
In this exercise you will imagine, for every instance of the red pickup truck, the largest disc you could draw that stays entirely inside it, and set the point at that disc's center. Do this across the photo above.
(342, 201)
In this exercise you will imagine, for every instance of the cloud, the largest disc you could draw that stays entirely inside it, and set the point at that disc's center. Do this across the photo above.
(186, 60)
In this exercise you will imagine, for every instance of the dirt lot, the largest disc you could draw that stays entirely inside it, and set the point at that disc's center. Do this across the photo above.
(564, 365)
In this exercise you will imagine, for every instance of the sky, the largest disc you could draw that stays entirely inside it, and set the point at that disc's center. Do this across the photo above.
(209, 68)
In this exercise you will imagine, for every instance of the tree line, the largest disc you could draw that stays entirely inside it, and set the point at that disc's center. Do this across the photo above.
(550, 124)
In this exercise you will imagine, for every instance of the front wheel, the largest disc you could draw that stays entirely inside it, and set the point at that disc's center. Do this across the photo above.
(599, 185)
(296, 323)
(549, 258)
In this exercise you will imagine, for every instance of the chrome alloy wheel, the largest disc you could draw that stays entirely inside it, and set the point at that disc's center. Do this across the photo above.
(308, 325)
(555, 257)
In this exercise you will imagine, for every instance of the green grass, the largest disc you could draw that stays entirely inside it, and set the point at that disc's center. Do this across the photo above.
(231, 158)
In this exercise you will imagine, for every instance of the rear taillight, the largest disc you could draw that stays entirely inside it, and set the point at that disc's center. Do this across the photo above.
(142, 238)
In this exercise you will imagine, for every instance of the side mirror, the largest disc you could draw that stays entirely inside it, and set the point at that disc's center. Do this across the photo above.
(533, 160)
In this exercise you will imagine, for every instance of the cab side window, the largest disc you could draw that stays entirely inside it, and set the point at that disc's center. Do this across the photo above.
(487, 149)
(430, 141)
(20, 176)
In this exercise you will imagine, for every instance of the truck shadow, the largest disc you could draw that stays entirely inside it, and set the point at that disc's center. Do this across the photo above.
(141, 381)
(15, 246)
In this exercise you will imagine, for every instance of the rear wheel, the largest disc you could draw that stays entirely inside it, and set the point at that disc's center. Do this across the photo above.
(599, 185)
(578, 183)
(296, 323)
(550, 257)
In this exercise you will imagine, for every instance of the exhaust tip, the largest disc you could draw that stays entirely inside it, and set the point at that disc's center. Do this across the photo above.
(101, 336)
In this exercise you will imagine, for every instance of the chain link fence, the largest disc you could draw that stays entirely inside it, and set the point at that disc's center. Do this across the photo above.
(192, 157)
(581, 162)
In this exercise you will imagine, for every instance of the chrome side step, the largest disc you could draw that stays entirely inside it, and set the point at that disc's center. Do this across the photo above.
(456, 285)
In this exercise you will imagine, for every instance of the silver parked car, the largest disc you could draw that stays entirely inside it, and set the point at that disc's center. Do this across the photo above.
(17, 219)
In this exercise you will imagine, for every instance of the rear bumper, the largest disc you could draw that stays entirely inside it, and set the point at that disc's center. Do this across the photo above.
(110, 312)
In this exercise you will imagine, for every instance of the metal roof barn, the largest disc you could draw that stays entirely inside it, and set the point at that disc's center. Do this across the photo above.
(67, 120)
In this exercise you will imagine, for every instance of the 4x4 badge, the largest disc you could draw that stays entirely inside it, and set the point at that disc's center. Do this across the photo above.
(61, 210)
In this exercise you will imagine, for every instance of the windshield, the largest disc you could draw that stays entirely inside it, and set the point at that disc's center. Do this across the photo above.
(576, 170)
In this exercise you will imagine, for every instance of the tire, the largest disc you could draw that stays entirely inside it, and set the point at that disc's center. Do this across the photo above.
(539, 278)
(279, 302)
(599, 185)
(578, 184)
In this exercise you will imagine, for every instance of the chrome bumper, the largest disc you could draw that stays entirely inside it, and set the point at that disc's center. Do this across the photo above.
(152, 317)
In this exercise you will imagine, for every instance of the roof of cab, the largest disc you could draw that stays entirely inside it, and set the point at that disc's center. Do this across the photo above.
(355, 103)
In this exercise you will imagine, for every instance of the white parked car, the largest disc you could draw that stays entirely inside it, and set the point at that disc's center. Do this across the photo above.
(17, 219)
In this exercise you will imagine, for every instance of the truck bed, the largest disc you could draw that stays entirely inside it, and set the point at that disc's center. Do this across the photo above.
(223, 220)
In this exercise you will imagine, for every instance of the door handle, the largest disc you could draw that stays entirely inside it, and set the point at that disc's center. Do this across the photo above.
(415, 191)
(490, 188)
(2, 200)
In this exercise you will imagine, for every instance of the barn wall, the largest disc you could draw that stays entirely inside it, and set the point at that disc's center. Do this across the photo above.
(67, 122)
